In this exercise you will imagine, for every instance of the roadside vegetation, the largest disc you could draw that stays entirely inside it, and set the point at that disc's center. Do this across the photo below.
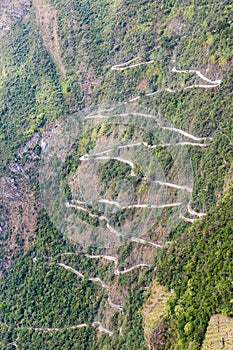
(175, 59)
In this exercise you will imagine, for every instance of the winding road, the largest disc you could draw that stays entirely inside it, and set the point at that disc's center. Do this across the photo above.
(111, 229)
(103, 284)
(81, 325)
(131, 164)
(188, 219)
(186, 134)
(180, 187)
(149, 206)
(100, 217)
(126, 63)
(152, 206)
(103, 155)
(58, 329)
(124, 66)
(92, 279)
(212, 82)
(150, 116)
(117, 272)
(143, 241)
(193, 212)
(100, 156)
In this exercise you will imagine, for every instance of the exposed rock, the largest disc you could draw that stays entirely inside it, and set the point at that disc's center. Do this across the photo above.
(11, 12)
(175, 25)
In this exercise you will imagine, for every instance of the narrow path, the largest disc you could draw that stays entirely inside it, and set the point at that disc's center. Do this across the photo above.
(134, 99)
(153, 206)
(186, 134)
(181, 143)
(180, 187)
(213, 82)
(122, 272)
(102, 329)
(161, 206)
(188, 219)
(143, 241)
(102, 256)
(131, 145)
(203, 86)
(117, 272)
(193, 212)
(124, 66)
(131, 164)
(142, 143)
(95, 280)
(101, 217)
(98, 280)
(162, 183)
(150, 206)
(148, 94)
(106, 201)
(56, 329)
(72, 205)
(111, 229)
(69, 268)
(79, 202)
(126, 63)
(81, 325)
(177, 130)
(200, 86)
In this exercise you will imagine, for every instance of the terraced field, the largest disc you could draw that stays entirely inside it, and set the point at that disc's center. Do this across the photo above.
(219, 333)
(155, 308)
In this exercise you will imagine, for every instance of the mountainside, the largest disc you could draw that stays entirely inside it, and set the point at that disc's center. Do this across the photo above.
(116, 174)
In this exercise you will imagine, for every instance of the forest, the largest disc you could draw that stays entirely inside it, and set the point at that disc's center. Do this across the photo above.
(62, 60)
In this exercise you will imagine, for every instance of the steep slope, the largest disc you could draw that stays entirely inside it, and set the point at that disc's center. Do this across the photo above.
(11, 12)
(219, 331)
(198, 266)
(154, 82)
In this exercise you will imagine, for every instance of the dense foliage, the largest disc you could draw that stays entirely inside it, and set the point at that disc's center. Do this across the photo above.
(38, 293)
(199, 267)
(55, 61)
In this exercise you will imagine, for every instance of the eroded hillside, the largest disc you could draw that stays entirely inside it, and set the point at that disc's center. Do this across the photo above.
(11, 12)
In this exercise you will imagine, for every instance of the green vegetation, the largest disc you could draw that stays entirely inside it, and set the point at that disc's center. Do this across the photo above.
(113, 169)
(55, 61)
(155, 307)
(30, 94)
(45, 295)
(198, 266)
